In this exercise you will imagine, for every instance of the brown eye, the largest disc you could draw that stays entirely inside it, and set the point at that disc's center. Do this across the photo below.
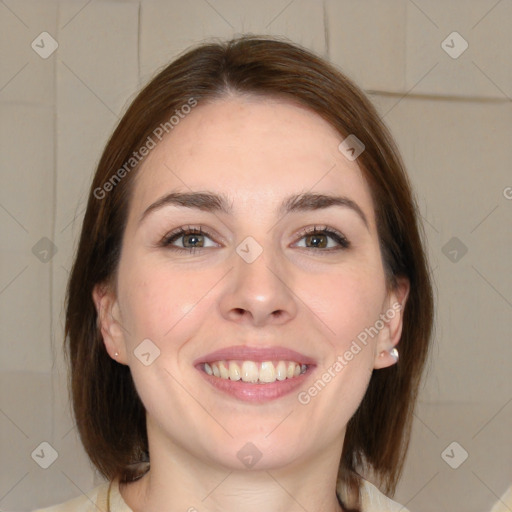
(196, 240)
(189, 238)
(319, 238)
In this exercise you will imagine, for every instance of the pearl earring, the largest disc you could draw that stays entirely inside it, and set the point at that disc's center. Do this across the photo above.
(116, 354)
(394, 354)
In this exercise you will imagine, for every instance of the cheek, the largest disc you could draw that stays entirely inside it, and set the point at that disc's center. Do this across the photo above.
(165, 307)
(348, 302)
(156, 301)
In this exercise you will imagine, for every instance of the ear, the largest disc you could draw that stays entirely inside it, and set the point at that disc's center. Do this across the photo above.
(392, 316)
(107, 308)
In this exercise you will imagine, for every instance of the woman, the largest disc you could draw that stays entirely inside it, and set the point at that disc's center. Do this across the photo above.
(250, 308)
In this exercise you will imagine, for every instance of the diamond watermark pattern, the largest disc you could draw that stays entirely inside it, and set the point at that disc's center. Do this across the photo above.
(454, 455)
(45, 455)
(146, 352)
(249, 455)
(44, 45)
(249, 250)
(351, 147)
(44, 250)
(454, 45)
(454, 249)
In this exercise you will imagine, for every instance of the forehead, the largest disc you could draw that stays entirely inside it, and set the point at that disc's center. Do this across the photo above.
(255, 149)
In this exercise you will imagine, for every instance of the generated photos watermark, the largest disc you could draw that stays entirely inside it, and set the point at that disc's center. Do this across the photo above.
(137, 156)
(330, 373)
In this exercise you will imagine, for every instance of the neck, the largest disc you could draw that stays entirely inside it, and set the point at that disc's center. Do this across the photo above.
(178, 482)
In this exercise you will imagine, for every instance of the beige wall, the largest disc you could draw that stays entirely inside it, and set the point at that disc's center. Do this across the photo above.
(452, 118)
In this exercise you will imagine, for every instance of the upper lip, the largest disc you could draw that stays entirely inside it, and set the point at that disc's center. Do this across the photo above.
(257, 354)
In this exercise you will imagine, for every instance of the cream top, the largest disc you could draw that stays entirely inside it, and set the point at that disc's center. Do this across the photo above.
(107, 498)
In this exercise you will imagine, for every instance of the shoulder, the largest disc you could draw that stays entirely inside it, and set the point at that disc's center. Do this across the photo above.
(95, 501)
(373, 500)
(504, 503)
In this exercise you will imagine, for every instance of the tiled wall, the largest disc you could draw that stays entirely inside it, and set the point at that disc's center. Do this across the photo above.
(451, 115)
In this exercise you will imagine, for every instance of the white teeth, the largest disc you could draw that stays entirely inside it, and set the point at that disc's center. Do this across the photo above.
(234, 371)
(250, 371)
(253, 372)
(224, 372)
(267, 372)
(281, 370)
(291, 370)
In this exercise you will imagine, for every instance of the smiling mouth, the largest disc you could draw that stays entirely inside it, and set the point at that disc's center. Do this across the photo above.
(253, 372)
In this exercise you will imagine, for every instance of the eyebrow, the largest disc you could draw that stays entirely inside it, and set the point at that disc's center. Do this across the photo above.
(211, 202)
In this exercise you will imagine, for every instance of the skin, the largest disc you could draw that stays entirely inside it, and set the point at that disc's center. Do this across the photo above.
(295, 294)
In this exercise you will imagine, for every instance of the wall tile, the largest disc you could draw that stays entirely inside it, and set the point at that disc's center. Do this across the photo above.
(471, 485)
(458, 155)
(25, 77)
(107, 29)
(188, 23)
(484, 69)
(27, 418)
(366, 40)
(26, 143)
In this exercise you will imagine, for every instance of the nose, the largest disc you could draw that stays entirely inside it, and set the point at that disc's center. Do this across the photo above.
(259, 293)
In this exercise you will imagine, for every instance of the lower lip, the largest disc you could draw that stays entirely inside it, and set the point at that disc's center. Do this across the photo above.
(250, 392)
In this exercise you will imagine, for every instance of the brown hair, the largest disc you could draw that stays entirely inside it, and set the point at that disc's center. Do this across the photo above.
(109, 413)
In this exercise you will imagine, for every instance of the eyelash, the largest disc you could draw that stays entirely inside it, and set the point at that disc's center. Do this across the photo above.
(182, 231)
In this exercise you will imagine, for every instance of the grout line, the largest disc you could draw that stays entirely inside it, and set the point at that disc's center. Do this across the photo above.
(438, 97)
(327, 51)
(54, 223)
(139, 26)
(404, 46)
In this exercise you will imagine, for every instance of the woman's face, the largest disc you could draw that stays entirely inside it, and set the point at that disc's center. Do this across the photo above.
(255, 278)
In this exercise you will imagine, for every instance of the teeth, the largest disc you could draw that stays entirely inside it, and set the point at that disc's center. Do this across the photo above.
(250, 371)
(224, 372)
(253, 372)
(267, 372)
(291, 370)
(281, 370)
(234, 371)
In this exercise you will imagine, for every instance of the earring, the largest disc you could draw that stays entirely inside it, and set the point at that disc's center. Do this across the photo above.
(394, 354)
(116, 354)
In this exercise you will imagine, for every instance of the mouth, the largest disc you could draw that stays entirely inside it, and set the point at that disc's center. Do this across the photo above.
(255, 372)
(252, 374)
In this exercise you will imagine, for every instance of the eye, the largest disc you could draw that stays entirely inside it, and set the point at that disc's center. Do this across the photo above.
(191, 238)
(319, 238)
